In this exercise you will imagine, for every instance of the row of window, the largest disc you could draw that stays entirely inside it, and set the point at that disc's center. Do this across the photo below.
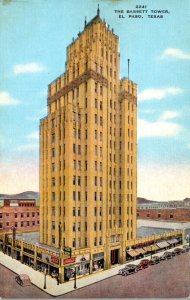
(21, 224)
(22, 215)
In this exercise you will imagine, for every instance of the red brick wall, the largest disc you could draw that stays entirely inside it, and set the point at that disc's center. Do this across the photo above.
(179, 214)
(24, 218)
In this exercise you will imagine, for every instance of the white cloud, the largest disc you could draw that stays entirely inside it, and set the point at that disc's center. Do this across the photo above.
(148, 129)
(6, 99)
(34, 135)
(28, 68)
(28, 147)
(159, 94)
(175, 53)
(169, 114)
(163, 182)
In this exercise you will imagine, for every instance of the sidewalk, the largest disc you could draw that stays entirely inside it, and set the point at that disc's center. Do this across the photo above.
(37, 278)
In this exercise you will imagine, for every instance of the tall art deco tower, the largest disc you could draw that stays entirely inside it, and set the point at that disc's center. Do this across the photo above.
(88, 153)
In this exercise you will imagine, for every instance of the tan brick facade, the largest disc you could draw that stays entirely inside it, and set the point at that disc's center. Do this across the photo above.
(88, 156)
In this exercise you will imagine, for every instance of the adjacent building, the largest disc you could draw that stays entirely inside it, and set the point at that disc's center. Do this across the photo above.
(20, 213)
(88, 154)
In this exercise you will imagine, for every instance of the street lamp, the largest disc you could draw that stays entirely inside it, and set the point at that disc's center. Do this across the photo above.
(75, 278)
(45, 274)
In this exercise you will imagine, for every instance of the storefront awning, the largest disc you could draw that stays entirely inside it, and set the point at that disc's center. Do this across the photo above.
(172, 241)
(132, 253)
(140, 251)
(162, 244)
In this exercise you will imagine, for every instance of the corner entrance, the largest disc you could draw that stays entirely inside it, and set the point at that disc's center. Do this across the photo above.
(114, 256)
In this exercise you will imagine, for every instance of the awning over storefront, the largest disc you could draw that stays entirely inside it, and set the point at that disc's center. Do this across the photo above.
(172, 241)
(163, 244)
(132, 253)
(151, 248)
(140, 251)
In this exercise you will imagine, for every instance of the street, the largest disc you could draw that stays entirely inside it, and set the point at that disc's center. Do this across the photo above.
(168, 279)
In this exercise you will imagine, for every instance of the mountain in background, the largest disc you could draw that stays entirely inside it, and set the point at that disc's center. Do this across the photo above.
(24, 195)
(36, 196)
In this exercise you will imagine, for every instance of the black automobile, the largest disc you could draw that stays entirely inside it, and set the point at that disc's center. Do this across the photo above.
(128, 269)
(178, 251)
(186, 248)
(166, 255)
(154, 260)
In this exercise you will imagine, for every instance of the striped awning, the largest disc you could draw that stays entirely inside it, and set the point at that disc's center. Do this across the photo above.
(172, 241)
(140, 251)
(132, 253)
(162, 244)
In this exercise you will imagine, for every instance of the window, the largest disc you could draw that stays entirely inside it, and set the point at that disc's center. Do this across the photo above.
(53, 167)
(74, 227)
(53, 181)
(79, 211)
(96, 103)
(101, 196)
(171, 216)
(95, 196)
(95, 180)
(96, 165)
(78, 180)
(96, 119)
(79, 149)
(74, 211)
(74, 180)
(74, 148)
(16, 215)
(78, 196)
(74, 195)
(53, 152)
(74, 243)
(95, 241)
(95, 226)
(53, 138)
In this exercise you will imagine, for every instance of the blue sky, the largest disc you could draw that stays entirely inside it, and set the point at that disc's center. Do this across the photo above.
(33, 39)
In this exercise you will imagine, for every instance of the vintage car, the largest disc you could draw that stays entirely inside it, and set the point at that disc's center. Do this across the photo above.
(154, 260)
(23, 279)
(128, 269)
(166, 255)
(144, 263)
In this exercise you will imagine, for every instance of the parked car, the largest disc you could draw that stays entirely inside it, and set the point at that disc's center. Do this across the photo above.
(23, 279)
(144, 263)
(178, 251)
(128, 269)
(166, 255)
(186, 248)
(154, 260)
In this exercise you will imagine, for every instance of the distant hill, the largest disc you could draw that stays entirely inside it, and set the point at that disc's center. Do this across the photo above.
(144, 200)
(24, 195)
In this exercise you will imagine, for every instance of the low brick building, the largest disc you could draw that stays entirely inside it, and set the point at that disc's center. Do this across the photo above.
(168, 214)
(20, 213)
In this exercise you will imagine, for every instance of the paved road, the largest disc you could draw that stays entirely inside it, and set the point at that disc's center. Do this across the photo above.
(168, 279)
(10, 289)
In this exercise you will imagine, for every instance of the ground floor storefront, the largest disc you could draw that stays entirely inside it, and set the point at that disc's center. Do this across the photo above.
(65, 267)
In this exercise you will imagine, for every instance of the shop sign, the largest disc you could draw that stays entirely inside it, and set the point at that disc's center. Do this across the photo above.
(55, 260)
(69, 260)
(83, 258)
